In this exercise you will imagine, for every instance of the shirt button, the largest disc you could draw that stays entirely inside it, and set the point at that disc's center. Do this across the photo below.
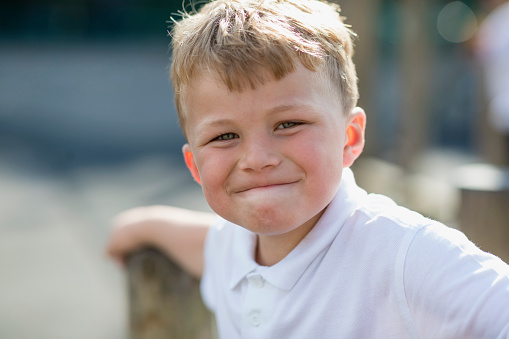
(255, 319)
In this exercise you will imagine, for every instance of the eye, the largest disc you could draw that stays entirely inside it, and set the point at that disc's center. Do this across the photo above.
(287, 124)
(226, 136)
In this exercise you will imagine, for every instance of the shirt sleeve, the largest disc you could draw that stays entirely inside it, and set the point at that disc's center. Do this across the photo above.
(453, 289)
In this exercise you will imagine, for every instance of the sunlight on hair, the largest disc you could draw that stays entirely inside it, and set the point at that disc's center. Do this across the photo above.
(456, 22)
(238, 39)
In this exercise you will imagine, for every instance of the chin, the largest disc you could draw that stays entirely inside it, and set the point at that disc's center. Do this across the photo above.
(271, 226)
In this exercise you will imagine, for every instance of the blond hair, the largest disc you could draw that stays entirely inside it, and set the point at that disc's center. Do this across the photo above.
(235, 38)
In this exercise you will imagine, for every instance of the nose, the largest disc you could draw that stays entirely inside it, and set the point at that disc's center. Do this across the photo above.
(258, 155)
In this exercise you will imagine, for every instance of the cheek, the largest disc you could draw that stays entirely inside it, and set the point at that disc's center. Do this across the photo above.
(318, 154)
(214, 171)
(211, 171)
(322, 161)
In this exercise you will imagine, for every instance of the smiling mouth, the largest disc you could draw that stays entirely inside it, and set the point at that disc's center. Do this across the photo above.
(262, 187)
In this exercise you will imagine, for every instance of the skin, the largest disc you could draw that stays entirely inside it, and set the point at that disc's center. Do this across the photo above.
(270, 159)
(180, 233)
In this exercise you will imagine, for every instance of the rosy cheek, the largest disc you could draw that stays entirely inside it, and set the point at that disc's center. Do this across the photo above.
(212, 171)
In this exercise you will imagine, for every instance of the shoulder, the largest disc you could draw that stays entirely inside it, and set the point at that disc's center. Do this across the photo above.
(444, 282)
(382, 222)
(448, 284)
(451, 286)
(444, 255)
(417, 246)
(421, 239)
(381, 209)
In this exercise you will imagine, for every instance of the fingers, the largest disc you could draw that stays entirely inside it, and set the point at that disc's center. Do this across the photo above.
(126, 234)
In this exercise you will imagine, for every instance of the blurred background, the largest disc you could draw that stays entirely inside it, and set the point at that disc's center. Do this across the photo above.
(88, 129)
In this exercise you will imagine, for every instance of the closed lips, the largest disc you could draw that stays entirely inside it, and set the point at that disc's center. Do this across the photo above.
(261, 186)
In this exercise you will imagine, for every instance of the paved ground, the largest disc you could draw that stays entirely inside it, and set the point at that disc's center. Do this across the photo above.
(56, 283)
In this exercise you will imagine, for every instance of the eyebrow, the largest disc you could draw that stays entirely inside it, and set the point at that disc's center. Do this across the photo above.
(214, 123)
(289, 107)
(203, 128)
(274, 110)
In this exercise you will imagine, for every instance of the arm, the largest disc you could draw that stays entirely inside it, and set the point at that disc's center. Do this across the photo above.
(454, 289)
(180, 233)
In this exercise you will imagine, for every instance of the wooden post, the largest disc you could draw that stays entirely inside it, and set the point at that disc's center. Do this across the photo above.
(484, 212)
(416, 70)
(164, 300)
(363, 16)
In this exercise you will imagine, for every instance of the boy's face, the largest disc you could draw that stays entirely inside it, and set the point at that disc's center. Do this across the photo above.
(270, 159)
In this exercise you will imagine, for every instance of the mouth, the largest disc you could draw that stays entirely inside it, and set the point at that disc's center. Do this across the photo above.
(264, 187)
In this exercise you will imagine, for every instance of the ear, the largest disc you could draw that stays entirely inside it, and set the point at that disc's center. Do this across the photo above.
(191, 165)
(355, 127)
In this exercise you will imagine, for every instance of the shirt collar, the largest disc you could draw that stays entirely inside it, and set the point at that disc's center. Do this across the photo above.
(244, 246)
(287, 272)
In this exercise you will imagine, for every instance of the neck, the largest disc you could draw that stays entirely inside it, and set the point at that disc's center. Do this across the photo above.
(271, 249)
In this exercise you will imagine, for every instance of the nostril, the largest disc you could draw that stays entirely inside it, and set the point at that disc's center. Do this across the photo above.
(258, 158)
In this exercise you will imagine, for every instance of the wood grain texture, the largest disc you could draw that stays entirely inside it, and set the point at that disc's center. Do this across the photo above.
(484, 212)
(164, 300)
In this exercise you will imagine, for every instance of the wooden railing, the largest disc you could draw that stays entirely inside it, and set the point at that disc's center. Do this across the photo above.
(164, 300)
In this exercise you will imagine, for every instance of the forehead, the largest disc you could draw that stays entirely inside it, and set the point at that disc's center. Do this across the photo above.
(207, 85)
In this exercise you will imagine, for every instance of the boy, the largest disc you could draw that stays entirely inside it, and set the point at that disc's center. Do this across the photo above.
(266, 94)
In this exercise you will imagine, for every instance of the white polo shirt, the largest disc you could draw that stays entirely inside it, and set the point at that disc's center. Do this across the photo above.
(368, 269)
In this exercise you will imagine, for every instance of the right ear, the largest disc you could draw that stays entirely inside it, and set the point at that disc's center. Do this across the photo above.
(191, 165)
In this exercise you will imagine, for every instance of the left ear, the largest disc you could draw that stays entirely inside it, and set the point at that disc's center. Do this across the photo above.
(355, 127)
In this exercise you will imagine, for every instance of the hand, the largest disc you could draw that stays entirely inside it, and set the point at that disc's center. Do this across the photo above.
(128, 231)
(180, 233)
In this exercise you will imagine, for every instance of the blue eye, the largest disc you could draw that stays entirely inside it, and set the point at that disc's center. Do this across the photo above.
(226, 136)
